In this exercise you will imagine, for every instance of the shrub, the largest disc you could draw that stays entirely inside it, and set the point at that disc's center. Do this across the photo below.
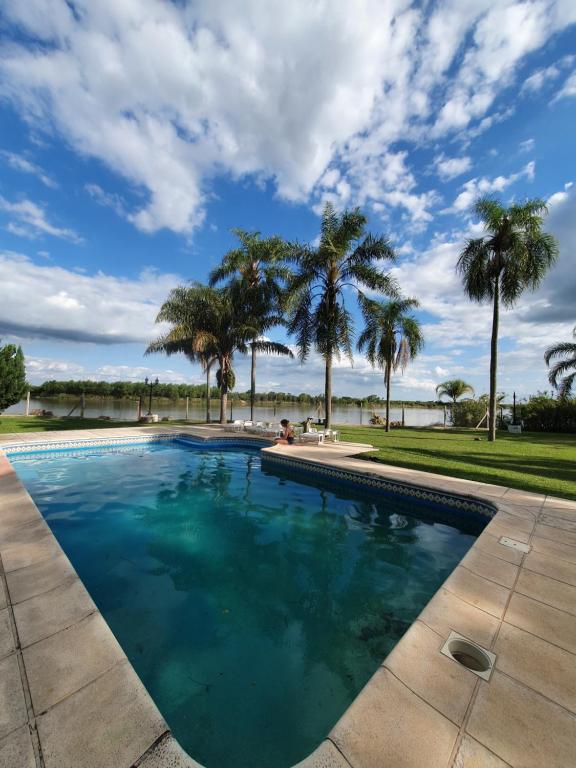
(468, 413)
(546, 414)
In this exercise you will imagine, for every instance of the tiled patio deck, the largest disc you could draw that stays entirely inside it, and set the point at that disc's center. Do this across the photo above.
(69, 698)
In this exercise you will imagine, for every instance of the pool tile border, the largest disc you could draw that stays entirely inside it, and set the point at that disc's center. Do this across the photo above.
(419, 710)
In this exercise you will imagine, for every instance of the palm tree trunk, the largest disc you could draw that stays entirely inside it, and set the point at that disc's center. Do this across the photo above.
(208, 366)
(252, 383)
(328, 392)
(388, 376)
(494, 362)
(223, 389)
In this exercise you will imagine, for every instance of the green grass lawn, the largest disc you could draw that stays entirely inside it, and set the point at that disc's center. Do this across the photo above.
(11, 424)
(534, 461)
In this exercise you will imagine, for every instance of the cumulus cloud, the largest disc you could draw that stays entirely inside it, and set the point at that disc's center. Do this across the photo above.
(479, 187)
(49, 302)
(542, 77)
(28, 219)
(171, 95)
(450, 167)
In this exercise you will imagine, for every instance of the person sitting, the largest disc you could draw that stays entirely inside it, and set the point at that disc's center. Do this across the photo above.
(287, 436)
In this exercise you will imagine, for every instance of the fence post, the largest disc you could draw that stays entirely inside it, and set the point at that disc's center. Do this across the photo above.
(187, 407)
(28, 403)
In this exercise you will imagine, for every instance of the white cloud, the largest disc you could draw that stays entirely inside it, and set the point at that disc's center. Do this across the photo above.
(23, 164)
(478, 187)
(49, 302)
(31, 221)
(568, 90)
(527, 145)
(450, 167)
(171, 95)
(543, 76)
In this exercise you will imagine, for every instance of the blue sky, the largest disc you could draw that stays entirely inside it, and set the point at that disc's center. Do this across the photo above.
(135, 135)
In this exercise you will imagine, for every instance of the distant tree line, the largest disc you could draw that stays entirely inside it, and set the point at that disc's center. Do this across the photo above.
(131, 390)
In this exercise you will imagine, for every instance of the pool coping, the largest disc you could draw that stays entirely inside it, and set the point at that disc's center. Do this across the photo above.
(75, 700)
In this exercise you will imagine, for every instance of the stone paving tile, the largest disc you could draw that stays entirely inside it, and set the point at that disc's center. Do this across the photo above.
(561, 570)
(169, 754)
(489, 491)
(525, 498)
(555, 534)
(519, 523)
(520, 726)
(389, 725)
(446, 612)
(491, 568)
(554, 549)
(560, 513)
(18, 510)
(23, 555)
(518, 510)
(558, 522)
(16, 750)
(52, 611)
(110, 723)
(6, 635)
(418, 663)
(541, 666)
(546, 590)
(28, 533)
(13, 713)
(471, 754)
(498, 529)
(489, 544)
(483, 594)
(41, 577)
(555, 501)
(549, 623)
(63, 663)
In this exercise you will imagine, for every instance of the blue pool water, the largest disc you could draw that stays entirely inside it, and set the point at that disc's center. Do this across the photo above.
(253, 606)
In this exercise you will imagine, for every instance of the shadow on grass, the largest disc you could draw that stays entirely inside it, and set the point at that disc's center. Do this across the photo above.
(538, 475)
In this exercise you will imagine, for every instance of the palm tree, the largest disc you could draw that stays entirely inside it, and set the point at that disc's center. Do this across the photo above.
(562, 368)
(344, 258)
(392, 337)
(205, 324)
(454, 388)
(513, 256)
(258, 273)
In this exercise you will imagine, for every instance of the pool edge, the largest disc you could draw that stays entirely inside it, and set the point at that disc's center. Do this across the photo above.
(404, 702)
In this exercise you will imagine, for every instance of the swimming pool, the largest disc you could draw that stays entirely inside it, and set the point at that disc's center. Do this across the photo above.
(253, 604)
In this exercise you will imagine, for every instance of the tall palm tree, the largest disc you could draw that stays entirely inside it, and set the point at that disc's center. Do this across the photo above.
(454, 388)
(513, 256)
(565, 368)
(205, 323)
(257, 273)
(344, 258)
(392, 337)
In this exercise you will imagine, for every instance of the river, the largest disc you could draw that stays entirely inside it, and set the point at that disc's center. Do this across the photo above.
(127, 410)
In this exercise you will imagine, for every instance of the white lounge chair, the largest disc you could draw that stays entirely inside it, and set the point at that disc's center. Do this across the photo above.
(312, 436)
(332, 435)
(237, 425)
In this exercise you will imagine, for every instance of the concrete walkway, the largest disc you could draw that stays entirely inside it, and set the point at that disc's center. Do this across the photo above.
(69, 697)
